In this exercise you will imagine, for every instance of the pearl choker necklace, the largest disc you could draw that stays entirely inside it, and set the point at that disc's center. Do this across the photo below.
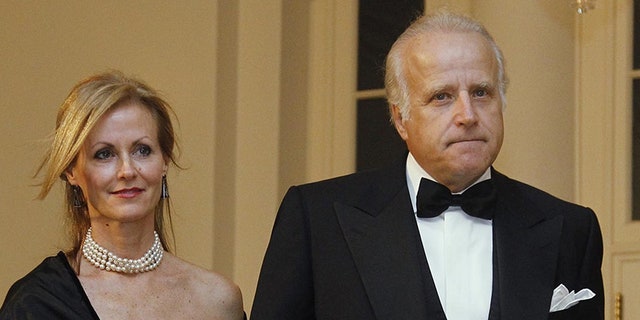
(105, 260)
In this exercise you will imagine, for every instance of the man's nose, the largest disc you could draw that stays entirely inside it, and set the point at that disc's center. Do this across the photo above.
(465, 112)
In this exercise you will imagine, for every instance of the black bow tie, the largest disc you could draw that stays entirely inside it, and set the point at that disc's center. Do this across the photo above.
(434, 198)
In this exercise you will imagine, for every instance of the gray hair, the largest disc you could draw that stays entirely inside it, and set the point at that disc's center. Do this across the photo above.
(441, 21)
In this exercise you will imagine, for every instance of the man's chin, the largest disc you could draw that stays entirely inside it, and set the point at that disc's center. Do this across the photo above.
(465, 174)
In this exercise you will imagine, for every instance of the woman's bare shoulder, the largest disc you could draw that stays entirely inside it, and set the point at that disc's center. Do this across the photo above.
(208, 290)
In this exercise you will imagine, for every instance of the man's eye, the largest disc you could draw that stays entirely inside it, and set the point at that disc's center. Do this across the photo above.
(440, 96)
(481, 93)
(103, 154)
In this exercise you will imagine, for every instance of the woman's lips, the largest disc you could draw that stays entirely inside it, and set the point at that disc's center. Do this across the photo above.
(128, 193)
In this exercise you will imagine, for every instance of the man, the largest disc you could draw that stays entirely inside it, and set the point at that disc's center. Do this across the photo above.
(377, 245)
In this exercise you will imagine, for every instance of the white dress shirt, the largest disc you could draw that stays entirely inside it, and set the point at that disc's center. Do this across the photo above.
(459, 250)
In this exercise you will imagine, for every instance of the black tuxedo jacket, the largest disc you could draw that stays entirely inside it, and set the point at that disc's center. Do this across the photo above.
(349, 248)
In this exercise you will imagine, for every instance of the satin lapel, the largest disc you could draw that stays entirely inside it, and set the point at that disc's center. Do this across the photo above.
(527, 247)
(385, 246)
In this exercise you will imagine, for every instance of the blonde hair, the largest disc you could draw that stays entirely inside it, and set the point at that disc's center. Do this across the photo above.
(441, 21)
(84, 106)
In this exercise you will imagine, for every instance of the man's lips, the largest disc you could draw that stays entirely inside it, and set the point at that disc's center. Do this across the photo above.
(128, 193)
(466, 140)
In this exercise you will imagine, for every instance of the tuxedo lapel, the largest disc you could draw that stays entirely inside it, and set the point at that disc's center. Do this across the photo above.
(527, 250)
(384, 243)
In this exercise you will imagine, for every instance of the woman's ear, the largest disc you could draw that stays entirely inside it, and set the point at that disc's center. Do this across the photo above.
(70, 174)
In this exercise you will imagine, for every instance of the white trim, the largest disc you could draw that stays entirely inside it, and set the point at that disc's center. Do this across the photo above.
(603, 130)
(371, 94)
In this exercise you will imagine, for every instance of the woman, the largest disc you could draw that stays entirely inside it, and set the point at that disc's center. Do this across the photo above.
(112, 147)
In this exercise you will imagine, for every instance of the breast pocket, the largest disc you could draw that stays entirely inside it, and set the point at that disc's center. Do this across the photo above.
(564, 314)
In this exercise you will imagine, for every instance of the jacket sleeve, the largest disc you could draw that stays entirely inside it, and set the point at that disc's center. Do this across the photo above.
(591, 272)
(587, 271)
(285, 286)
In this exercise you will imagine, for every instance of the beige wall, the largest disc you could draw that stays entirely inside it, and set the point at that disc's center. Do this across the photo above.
(236, 73)
(537, 39)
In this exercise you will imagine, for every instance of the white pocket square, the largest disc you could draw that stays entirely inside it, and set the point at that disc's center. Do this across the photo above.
(563, 299)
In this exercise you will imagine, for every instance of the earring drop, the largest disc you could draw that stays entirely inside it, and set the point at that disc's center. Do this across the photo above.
(165, 189)
(78, 199)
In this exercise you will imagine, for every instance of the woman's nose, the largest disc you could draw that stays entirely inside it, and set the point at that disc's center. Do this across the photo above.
(126, 168)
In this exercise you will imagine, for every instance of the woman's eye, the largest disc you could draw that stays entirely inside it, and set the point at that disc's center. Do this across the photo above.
(103, 154)
(143, 150)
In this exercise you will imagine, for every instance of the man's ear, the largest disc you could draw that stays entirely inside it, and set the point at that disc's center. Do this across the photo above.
(398, 121)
